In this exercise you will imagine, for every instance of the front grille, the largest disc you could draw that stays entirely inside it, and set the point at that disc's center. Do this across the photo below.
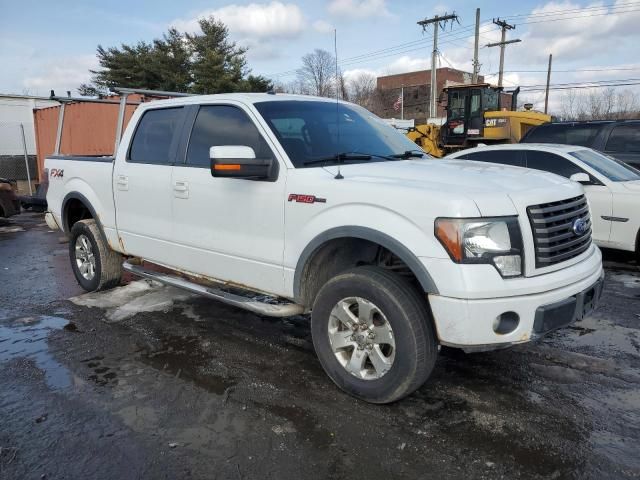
(553, 234)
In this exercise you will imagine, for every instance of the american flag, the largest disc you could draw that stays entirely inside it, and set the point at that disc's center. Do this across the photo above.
(398, 103)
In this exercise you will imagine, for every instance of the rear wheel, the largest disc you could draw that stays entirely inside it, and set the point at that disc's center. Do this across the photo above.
(373, 334)
(94, 264)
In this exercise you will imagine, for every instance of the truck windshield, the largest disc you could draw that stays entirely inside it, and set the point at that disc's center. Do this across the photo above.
(308, 130)
(613, 169)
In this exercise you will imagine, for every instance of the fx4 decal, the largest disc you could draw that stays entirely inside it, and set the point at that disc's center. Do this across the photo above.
(57, 173)
(300, 198)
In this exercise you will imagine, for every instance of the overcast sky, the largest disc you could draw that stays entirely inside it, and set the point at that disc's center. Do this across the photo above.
(51, 45)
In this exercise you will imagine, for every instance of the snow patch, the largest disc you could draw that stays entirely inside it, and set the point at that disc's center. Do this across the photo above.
(124, 302)
(11, 229)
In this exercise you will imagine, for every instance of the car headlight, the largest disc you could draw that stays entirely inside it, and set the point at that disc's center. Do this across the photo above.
(496, 241)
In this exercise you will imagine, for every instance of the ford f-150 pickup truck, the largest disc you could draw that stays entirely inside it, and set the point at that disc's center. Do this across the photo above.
(286, 205)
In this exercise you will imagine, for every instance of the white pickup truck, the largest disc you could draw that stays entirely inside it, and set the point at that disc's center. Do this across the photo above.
(285, 204)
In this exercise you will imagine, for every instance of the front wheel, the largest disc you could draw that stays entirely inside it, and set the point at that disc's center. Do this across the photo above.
(94, 264)
(373, 334)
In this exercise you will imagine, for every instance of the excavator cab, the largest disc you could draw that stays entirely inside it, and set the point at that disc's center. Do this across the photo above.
(466, 106)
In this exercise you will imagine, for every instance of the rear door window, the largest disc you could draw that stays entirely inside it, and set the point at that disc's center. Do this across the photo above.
(566, 134)
(624, 139)
(156, 136)
(550, 162)
(514, 158)
(218, 125)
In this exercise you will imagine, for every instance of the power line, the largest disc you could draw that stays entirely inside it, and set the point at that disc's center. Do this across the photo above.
(561, 15)
(581, 16)
(404, 47)
(574, 10)
(580, 87)
(576, 70)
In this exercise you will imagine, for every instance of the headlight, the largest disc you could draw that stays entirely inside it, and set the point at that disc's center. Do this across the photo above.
(496, 241)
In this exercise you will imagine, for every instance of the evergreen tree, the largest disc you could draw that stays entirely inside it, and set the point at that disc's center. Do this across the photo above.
(204, 62)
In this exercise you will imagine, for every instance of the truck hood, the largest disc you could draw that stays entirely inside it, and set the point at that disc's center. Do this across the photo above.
(493, 188)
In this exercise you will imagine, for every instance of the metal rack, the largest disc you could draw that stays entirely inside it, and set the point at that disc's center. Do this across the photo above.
(122, 102)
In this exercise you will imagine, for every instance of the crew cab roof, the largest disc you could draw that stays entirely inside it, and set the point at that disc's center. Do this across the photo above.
(247, 98)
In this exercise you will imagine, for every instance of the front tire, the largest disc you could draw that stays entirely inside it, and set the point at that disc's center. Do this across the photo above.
(373, 334)
(94, 264)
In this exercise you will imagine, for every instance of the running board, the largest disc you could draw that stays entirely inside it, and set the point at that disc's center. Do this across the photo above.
(261, 308)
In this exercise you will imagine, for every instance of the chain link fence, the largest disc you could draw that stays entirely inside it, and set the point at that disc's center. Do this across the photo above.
(13, 150)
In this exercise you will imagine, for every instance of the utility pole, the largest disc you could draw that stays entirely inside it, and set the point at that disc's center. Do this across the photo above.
(439, 21)
(546, 95)
(476, 63)
(502, 44)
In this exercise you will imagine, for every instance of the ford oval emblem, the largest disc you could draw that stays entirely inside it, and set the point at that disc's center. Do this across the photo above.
(580, 226)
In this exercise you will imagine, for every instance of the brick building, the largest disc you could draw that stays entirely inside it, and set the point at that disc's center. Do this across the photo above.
(417, 86)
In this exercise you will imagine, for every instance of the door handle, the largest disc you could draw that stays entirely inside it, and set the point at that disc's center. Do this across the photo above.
(123, 182)
(181, 189)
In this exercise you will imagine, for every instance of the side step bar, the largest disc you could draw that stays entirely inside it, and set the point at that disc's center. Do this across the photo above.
(261, 308)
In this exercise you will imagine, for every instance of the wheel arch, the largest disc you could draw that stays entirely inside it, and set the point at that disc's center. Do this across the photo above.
(376, 238)
(72, 199)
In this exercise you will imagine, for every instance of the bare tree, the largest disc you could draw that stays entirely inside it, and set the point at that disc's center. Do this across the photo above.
(606, 104)
(318, 73)
(569, 106)
(294, 86)
(343, 87)
(628, 104)
(362, 88)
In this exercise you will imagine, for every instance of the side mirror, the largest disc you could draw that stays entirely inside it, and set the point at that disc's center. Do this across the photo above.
(239, 161)
(581, 178)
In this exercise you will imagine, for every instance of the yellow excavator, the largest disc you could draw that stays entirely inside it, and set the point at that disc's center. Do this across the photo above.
(475, 115)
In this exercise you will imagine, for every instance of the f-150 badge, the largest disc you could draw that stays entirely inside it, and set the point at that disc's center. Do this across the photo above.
(300, 198)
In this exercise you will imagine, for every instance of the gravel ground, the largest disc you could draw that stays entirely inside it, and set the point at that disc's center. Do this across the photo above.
(149, 382)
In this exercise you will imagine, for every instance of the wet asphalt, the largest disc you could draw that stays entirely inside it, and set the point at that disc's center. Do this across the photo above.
(146, 382)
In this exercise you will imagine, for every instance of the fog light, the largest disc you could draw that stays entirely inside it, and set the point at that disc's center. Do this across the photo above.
(506, 323)
(508, 265)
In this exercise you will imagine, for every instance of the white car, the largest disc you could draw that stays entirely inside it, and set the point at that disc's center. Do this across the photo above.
(612, 187)
(327, 209)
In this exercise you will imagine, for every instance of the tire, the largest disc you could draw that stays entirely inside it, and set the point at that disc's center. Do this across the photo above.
(396, 304)
(106, 265)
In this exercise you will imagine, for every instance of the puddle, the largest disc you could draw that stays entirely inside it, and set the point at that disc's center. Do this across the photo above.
(603, 336)
(26, 337)
(184, 358)
(629, 281)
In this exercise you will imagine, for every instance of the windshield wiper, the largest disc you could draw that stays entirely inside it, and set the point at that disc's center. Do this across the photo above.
(408, 154)
(339, 157)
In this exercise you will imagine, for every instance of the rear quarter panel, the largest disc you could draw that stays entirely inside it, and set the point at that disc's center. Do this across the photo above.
(92, 180)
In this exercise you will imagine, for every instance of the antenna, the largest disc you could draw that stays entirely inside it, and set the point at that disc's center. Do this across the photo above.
(335, 49)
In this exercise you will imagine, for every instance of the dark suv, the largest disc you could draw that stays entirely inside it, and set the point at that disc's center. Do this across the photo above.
(618, 138)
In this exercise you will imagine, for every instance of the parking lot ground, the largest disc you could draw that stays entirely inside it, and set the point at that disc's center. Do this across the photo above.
(146, 381)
